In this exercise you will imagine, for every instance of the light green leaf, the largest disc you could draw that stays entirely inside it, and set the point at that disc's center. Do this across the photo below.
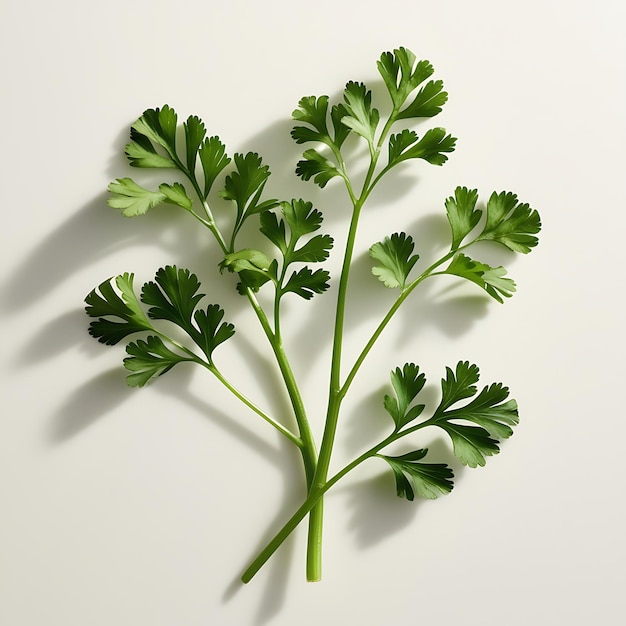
(395, 259)
(492, 279)
(133, 199)
(462, 214)
(361, 117)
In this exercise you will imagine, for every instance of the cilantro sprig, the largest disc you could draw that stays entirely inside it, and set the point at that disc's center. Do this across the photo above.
(167, 322)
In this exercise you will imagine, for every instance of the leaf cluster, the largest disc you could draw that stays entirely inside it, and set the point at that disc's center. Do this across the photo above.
(411, 98)
(173, 296)
(290, 232)
(475, 427)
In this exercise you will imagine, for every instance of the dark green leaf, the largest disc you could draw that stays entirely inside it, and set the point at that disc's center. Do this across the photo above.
(402, 75)
(313, 111)
(245, 185)
(510, 223)
(274, 230)
(427, 103)
(398, 144)
(307, 283)
(194, 134)
(213, 331)
(149, 359)
(214, 159)
(141, 153)
(316, 166)
(407, 383)
(492, 279)
(337, 113)
(395, 259)
(458, 384)
(427, 480)
(301, 217)
(490, 410)
(431, 147)
(173, 296)
(316, 250)
(117, 316)
(159, 126)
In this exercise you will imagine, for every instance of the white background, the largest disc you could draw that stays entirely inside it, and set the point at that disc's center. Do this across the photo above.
(125, 506)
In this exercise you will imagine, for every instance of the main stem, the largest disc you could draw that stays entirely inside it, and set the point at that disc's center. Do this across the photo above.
(319, 484)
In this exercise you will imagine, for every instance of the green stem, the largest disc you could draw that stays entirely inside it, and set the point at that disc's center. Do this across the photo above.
(392, 311)
(279, 427)
(314, 499)
(305, 441)
(314, 547)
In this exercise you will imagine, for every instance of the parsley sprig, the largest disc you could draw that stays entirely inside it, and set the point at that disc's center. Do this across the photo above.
(476, 422)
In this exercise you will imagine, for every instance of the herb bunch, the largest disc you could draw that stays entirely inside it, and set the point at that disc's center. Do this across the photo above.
(476, 420)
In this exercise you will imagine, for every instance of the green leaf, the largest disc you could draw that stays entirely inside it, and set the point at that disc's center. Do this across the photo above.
(213, 331)
(431, 147)
(245, 185)
(427, 480)
(214, 159)
(301, 217)
(361, 117)
(407, 383)
(489, 410)
(246, 259)
(316, 166)
(149, 359)
(176, 194)
(173, 296)
(402, 75)
(141, 153)
(492, 279)
(427, 103)
(395, 260)
(398, 144)
(312, 111)
(117, 316)
(133, 199)
(316, 250)
(510, 223)
(307, 283)
(337, 113)
(458, 384)
(194, 135)
(274, 230)
(159, 126)
(462, 214)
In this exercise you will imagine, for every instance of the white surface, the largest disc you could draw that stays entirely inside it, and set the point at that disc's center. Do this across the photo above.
(128, 506)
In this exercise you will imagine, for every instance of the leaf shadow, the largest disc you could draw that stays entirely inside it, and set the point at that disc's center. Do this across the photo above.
(378, 513)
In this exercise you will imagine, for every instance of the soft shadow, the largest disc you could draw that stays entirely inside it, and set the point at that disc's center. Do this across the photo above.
(56, 337)
(277, 571)
(90, 402)
(378, 513)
